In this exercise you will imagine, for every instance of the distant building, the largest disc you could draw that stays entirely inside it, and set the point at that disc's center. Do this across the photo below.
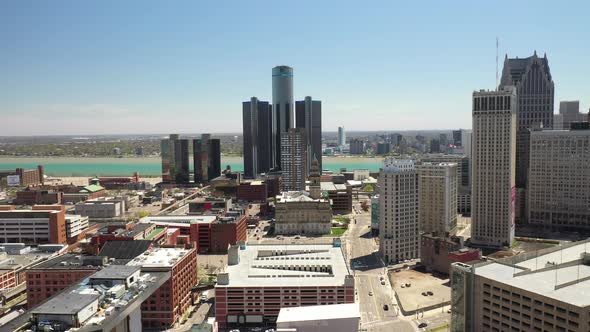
(24, 177)
(256, 271)
(463, 177)
(383, 148)
(206, 158)
(437, 187)
(435, 146)
(457, 138)
(538, 290)
(294, 154)
(559, 180)
(399, 234)
(357, 146)
(309, 117)
(31, 196)
(322, 318)
(569, 112)
(259, 142)
(282, 101)
(104, 207)
(494, 148)
(531, 77)
(395, 139)
(341, 137)
(252, 191)
(175, 155)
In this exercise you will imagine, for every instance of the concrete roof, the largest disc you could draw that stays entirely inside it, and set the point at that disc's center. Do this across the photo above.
(259, 267)
(178, 221)
(555, 267)
(319, 312)
(159, 257)
(115, 272)
(68, 303)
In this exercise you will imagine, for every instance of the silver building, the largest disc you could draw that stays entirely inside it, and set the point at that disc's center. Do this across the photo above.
(399, 234)
(341, 137)
(282, 101)
(493, 167)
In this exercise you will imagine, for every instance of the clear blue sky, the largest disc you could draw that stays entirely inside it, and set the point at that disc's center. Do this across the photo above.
(91, 67)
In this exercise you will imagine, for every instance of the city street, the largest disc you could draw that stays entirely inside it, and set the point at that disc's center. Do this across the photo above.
(367, 267)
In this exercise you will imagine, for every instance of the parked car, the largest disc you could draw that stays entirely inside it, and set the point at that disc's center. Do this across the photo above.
(382, 282)
(430, 293)
(370, 293)
(385, 307)
(422, 325)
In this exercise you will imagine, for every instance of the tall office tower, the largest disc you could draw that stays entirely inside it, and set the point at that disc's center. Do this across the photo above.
(399, 232)
(308, 115)
(282, 101)
(175, 152)
(258, 137)
(535, 92)
(437, 189)
(206, 158)
(466, 140)
(559, 178)
(457, 135)
(294, 159)
(341, 137)
(435, 146)
(493, 167)
(569, 112)
(395, 139)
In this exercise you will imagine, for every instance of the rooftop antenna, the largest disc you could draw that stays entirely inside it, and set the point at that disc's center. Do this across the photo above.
(496, 63)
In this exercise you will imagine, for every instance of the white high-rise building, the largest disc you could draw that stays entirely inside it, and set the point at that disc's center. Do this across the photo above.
(437, 189)
(493, 167)
(294, 163)
(399, 233)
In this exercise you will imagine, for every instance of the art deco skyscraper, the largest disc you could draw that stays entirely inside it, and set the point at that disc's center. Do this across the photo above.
(399, 232)
(294, 159)
(493, 167)
(258, 137)
(282, 101)
(309, 117)
(535, 92)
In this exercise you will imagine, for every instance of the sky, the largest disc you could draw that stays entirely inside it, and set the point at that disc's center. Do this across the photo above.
(118, 67)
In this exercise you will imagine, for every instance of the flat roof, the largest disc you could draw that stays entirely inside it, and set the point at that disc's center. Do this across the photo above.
(286, 265)
(319, 312)
(68, 303)
(553, 273)
(159, 257)
(115, 272)
(70, 261)
(178, 221)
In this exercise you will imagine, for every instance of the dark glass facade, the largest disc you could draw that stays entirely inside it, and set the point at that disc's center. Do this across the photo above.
(308, 116)
(259, 149)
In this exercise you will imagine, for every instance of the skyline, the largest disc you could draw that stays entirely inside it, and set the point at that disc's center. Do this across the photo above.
(396, 64)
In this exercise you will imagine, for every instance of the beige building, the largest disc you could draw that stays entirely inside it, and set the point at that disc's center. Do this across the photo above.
(437, 190)
(493, 167)
(297, 213)
(463, 176)
(537, 291)
(559, 179)
(399, 234)
(569, 112)
(294, 163)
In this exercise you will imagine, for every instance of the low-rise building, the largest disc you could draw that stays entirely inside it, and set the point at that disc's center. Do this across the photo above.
(261, 279)
(104, 207)
(323, 318)
(75, 225)
(209, 205)
(340, 196)
(252, 191)
(24, 177)
(544, 290)
(41, 224)
(437, 253)
(31, 196)
(297, 213)
(166, 306)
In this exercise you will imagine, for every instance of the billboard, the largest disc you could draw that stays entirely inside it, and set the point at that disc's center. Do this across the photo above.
(13, 180)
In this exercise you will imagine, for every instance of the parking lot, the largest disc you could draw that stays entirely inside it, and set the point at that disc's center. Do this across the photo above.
(425, 292)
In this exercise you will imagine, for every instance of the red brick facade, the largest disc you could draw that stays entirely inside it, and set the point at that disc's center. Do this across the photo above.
(44, 283)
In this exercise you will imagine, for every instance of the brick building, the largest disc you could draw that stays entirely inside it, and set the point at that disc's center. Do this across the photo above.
(27, 177)
(340, 196)
(52, 276)
(259, 281)
(437, 253)
(253, 191)
(31, 196)
(166, 306)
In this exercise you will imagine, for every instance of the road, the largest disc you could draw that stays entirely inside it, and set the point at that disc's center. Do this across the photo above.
(367, 267)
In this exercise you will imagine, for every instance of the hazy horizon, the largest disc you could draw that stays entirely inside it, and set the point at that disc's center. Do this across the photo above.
(87, 68)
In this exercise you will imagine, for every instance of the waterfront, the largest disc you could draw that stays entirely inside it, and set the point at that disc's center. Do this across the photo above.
(151, 166)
